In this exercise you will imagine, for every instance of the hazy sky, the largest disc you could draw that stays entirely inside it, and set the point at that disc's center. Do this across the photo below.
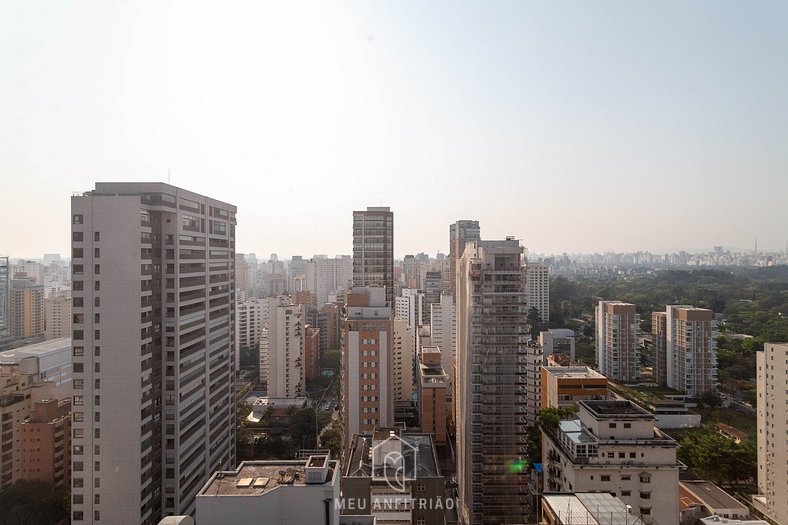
(576, 126)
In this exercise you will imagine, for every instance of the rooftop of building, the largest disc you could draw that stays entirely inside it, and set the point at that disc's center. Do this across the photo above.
(417, 447)
(254, 478)
(430, 349)
(708, 494)
(588, 508)
(733, 432)
(36, 349)
(719, 520)
(574, 372)
(609, 409)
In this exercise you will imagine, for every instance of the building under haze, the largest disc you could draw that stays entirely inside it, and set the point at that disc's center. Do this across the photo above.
(491, 379)
(617, 343)
(27, 308)
(373, 249)
(153, 343)
(57, 316)
(537, 280)
(459, 234)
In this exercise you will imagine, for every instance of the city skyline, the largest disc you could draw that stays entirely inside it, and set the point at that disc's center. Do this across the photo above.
(643, 118)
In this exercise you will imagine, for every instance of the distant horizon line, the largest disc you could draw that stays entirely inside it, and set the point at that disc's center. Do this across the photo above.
(432, 255)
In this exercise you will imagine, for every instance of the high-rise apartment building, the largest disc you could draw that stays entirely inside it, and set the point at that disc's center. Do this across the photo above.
(409, 307)
(772, 374)
(282, 349)
(249, 322)
(617, 344)
(443, 333)
(537, 281)
(459, 234)
(367, 362)
(492, 334)
(403, 361)
(153, 343)
(27, 308)
(311, 351)
(373, 249)
(5, 296)
(57, 316)
(685, 348)
(659, 333)
(432, 294)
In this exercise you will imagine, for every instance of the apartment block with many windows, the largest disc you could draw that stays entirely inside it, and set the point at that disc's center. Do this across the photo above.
(153, 407)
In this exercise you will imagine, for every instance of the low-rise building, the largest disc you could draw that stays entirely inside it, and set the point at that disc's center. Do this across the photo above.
(565, 386)
(702, 499)
(45, 449)
(613, 446)
(586, 508)
(395, 477)
(20, 389)
(281, 492)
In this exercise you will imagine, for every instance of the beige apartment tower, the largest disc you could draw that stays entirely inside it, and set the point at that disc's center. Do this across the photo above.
(153, 410)
(617, 344)
(57, 316)
(659, 334)
(27, 308)
(685, 341)
(373, 249)
(772, 382)
(367, 388)
(491, 380)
